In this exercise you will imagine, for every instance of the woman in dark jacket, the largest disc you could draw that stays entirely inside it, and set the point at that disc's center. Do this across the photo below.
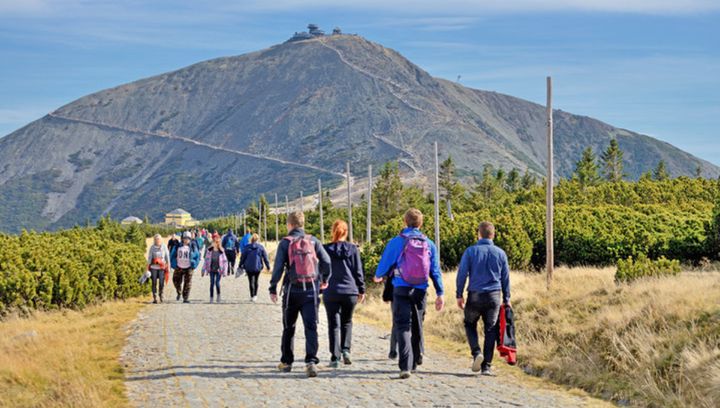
(346, 287)
(252, 259)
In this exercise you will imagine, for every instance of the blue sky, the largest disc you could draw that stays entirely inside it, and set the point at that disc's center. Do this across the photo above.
(652, 66)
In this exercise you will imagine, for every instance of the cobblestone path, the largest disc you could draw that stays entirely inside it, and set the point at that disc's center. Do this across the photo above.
(225, 355)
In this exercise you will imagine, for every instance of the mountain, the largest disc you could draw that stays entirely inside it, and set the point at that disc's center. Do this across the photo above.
(212, 136)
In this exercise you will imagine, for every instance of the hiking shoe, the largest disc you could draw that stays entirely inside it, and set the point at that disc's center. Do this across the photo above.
(218, 299)
(161, 299)
(285, 368)
(155, 301)
(346, 358)
(393, 355)
(253, 299)
(477, 364)
(404, 375)
(334, 364)
(186, 301)
(211, 300)
(311, 370)
(486, 371)
(418, 359)
(178, 297)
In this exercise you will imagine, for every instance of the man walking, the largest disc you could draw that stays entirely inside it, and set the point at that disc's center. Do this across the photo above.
(487, 267)
(411, 261)
(231, 245)
(184, 258)
(304, 266)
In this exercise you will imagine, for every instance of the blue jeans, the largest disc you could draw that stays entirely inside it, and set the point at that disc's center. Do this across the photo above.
(408, 314)
(214, 283)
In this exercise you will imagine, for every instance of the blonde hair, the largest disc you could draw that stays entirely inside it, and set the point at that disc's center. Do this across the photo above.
(254, 237)
(413, 218)
(339, 231)
(296, 219)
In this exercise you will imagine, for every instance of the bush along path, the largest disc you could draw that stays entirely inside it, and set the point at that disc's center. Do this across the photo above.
(226, 354)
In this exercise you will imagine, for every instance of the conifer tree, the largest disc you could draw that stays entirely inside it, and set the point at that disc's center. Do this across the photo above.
(612, 162)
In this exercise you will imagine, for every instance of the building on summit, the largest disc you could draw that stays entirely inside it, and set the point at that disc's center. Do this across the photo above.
(131, 220)
(179, 218)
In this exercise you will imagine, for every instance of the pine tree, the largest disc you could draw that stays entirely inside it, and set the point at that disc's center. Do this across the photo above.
(512, 183)
(612, 162)
(698, 172)
(660, 173)
(586, 169)
(450, 187)
(388, 193)
(528, 180)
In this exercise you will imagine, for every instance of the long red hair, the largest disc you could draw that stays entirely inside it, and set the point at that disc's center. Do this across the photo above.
(339, 231)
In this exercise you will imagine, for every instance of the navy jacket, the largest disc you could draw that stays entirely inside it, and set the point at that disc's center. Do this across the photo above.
(346, 271)
(487, 267)
(282, 263)
(259, 257)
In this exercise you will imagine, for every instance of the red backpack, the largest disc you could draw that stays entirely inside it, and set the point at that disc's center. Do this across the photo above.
(301, 255)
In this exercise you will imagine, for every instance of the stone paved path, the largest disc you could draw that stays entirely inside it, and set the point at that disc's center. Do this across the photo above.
(224, 355)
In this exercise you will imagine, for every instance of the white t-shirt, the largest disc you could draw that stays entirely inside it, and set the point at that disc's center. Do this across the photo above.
(183, 257)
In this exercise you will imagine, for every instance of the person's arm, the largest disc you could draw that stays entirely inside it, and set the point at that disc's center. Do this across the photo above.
(389, 257)
(243, 256)
(435, 273)
(265, 258)
(149, 257)
(166, 253)
(173, 257)
(462, 274)
(505, 279)
(359, 273)
(279, 267)
(323, 261)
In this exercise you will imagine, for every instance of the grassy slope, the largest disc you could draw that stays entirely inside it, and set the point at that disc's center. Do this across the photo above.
(654, 342)
(66, 358)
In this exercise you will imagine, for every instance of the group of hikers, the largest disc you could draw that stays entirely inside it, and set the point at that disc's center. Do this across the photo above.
(304, 269)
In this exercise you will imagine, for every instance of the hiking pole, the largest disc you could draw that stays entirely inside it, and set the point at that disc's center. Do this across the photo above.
(320, 204)
(277, 222)
(549, 233)
(368, 233)
(349, 204)
(437, 202)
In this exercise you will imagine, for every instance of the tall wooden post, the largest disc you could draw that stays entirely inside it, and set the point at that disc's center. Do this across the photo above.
(277, 218)
(287, 206)
(437, 201)
(244, 223)
(265, 211)
(368, 232)
(549, 233)
(302, 204)
(320, 204)
(259, 231)
(349, 204)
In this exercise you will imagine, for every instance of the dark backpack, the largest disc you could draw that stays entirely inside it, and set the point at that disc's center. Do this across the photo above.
(253, 260)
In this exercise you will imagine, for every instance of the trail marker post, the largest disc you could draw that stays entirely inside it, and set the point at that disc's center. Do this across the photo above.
(320, 205)
(277, 216)
(368, 232)
(549, 218)
(349, 203)
(437, 201)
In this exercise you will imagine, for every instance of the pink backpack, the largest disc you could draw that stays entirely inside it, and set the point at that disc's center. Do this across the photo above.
(414, 262)
(301, 255)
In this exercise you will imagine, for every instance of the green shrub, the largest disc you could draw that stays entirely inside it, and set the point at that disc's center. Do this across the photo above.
(630, 269)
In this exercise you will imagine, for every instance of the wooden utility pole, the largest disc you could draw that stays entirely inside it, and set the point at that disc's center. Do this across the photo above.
(549, 233)
(349, 203)
(320, 205)
(259, 231)
(265, 222)
(302, 205)
(437, 201)
(287, 206)
(244, 223)
(368, 233)
(277, 218)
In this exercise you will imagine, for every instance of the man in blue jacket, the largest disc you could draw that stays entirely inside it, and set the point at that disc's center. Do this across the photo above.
(230, 244)
(245, 241)
(487, 267)
(409, 299)
(184, 258)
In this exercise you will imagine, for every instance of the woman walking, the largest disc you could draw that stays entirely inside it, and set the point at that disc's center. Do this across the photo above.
(346, 287)
(158, 262)
(252, 259)
(216, 265)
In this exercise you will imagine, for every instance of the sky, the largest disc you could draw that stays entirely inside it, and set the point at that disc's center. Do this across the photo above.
(651, 66)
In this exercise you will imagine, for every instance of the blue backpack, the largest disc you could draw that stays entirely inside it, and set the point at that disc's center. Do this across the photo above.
(253, 260)
(230, 241)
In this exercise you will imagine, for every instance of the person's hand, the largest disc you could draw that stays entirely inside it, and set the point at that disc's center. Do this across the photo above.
(461, 303)
(439, 303)
(377, 280)
(273, 297)
(507, 304)
(361, 298)
(324, 285)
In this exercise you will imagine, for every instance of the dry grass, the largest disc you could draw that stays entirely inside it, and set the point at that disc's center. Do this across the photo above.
(66, 358)
(654, 342)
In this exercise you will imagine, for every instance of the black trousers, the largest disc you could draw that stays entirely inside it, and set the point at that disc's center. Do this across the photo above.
(231, 256)
(303, 303)
(487, 307)
(253, 281)
(408, 314)
(339, 310)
